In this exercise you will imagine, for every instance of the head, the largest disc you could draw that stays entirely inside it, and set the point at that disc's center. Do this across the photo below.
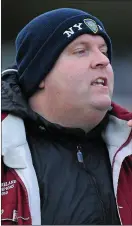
(75, 84)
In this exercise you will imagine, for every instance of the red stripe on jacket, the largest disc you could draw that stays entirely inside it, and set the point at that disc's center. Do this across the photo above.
(3, 116)
(124, 191)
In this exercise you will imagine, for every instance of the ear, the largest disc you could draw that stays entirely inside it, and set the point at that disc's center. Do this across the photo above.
(42, 84)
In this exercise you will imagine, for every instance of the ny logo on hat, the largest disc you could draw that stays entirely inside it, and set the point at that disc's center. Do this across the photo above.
(91, 24)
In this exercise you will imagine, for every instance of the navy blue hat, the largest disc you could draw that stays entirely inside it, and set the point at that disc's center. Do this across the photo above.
(40, 42)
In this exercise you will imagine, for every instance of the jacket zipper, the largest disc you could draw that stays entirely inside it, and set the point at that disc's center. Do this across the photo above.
(81, 162)
(80, 156)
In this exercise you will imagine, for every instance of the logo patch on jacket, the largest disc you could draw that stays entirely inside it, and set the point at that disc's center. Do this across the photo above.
(14, 203)
(6, 186)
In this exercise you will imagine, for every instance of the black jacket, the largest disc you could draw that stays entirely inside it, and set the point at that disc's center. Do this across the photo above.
(71, 192)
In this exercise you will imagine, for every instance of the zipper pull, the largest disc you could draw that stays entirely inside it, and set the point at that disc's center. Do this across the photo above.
(80, 156)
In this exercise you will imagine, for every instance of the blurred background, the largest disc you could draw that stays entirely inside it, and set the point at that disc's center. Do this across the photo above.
(116, 16)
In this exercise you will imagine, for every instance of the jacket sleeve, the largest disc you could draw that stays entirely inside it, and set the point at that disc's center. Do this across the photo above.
(14, 198)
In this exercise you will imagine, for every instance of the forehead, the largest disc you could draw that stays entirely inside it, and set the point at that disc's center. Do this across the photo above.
(88, 39)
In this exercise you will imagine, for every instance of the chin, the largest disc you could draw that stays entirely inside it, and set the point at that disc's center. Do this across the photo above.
(102, 105)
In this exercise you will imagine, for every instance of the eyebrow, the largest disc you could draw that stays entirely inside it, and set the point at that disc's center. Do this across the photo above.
(86, 43)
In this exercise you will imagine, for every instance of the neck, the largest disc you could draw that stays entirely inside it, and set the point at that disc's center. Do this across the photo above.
(85, 122)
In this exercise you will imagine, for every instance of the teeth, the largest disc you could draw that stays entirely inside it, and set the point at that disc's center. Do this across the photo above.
(97, 84)
(99, 81)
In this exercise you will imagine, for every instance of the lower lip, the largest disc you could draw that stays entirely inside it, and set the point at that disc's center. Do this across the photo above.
(101, 87)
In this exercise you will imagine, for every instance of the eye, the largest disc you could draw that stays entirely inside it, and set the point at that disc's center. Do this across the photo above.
(104, 50)
(105, 53)
(80, 51)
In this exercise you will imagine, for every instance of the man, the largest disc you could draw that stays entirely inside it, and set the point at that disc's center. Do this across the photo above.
(64, 143)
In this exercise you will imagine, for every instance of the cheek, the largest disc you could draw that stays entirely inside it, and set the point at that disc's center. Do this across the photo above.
(72, 74)
(110, 73)
(67, 79)
(111, 79)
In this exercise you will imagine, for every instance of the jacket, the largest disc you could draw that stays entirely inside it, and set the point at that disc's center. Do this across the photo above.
(40, 170)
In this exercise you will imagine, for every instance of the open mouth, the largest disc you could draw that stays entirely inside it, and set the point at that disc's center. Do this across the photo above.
(99, 82)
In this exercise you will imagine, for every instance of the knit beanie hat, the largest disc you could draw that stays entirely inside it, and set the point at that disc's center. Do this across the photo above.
(40, 42)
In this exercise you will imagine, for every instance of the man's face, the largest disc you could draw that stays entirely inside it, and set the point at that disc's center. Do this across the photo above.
(76, 79)
(80, 83)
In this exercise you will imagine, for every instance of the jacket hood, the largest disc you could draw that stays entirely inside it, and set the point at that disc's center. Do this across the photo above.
(120, 112)
(14, 102)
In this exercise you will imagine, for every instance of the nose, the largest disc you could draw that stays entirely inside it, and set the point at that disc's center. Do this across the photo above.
(99, 60)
